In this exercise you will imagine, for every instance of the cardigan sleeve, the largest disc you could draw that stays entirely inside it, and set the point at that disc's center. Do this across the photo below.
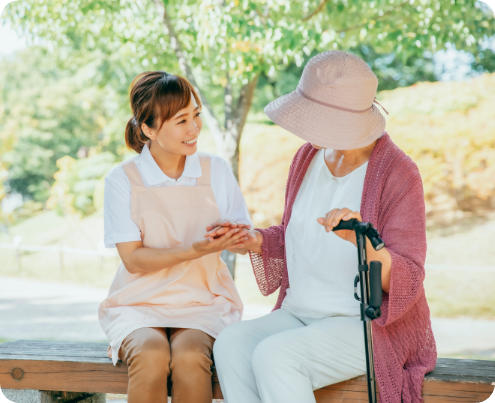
(404, 234)
(268, 267)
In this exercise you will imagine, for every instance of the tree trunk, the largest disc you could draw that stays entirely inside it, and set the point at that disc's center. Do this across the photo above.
(226, 140)
(234, 125)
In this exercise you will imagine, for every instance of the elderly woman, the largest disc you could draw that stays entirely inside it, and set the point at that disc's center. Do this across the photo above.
(350, 168)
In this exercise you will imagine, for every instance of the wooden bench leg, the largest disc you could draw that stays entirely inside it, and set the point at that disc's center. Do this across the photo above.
(46, 396)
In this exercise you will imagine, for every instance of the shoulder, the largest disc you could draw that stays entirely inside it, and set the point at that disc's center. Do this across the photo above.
(302, 159)
(117, 176)
(305, 150)
(392, 164)
(391, 176)
(217, 163)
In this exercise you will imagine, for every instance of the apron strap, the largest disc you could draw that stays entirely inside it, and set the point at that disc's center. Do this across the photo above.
(205, 178)
(132, 173)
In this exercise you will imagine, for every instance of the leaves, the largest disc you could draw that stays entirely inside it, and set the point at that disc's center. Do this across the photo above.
(78, 184)
(49, 113)
(243, 38)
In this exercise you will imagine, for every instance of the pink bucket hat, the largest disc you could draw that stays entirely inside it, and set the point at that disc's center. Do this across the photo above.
(333, 105)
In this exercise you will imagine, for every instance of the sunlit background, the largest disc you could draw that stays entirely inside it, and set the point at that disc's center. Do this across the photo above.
(64, 75)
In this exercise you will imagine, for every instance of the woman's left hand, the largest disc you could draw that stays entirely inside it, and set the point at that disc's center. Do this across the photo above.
(333, 217)
(221, 227)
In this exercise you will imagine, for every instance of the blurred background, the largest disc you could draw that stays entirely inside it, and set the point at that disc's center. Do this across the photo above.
(65, 70)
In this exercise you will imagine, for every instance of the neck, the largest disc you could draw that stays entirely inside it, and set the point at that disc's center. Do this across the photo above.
(342, 162)
(359, 154)
(171, 164)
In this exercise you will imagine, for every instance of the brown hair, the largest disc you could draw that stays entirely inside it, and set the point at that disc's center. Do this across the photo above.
(156, 96)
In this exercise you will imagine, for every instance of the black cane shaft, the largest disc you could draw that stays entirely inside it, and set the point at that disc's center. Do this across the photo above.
(375, 284)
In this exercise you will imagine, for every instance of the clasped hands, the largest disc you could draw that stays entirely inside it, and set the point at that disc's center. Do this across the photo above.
(230, 235)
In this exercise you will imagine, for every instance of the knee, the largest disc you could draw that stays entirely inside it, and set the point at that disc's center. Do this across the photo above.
(228, 344)
(148, 351)
(189, 360)
(267, 356)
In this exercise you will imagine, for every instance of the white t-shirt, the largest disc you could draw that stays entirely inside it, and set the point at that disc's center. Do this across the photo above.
(321, 265)
(118, 223)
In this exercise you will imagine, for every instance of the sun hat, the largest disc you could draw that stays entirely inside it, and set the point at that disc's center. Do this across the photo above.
(333, 105)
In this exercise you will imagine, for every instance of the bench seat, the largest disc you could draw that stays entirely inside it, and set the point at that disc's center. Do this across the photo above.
(85, 367)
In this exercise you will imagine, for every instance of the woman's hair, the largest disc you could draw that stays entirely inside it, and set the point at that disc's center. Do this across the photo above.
(156, 96)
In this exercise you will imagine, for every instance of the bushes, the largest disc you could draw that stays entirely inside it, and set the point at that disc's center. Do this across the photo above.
(449, 131)
(78, 187)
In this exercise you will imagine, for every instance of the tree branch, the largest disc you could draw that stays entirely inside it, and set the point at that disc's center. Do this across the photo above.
(244, 104)
(209, 116)
(318, 9)
(228, 100)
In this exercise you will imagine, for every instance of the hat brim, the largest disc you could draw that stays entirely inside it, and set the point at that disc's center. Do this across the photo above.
(324, 126)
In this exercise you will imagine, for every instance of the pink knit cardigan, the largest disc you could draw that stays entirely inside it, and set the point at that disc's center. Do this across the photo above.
(393, 201)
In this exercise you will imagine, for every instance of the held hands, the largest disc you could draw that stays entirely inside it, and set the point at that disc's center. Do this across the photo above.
(230, 237)
(248, 240)
(333, 217)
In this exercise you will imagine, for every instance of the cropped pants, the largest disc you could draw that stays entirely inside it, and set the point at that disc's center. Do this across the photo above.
(281, 358)
(152, 354)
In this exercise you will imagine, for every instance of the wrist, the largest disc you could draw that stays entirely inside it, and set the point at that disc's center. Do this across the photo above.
(257, 248)
(194, 253)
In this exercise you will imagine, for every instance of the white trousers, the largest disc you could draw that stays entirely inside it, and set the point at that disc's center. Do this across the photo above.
(281, 358)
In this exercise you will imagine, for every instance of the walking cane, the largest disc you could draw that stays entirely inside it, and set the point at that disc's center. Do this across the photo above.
(371, 290)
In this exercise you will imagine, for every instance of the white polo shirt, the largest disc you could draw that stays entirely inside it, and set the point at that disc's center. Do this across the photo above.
(118, 223)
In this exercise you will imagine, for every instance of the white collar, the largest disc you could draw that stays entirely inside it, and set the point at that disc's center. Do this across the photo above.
(154, 175)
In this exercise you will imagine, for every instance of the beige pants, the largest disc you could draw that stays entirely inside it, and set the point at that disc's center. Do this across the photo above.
(152, 354)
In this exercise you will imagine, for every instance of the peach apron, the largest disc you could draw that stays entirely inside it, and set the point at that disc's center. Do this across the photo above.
(198, 294)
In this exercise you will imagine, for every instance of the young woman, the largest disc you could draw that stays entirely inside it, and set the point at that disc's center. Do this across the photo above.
(172, 294)
(349, 168)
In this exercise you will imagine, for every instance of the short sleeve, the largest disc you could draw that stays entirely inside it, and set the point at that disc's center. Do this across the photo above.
(117, 220)
(228, 195)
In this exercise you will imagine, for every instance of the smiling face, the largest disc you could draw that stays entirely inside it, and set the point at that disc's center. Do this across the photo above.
(178, 135)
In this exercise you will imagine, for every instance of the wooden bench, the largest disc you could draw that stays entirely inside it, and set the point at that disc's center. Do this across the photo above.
(45, 371)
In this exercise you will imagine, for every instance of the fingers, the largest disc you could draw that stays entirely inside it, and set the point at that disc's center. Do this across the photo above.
(214, 231)
(338, 216)
(225, 223)
(330, 219)
(228, 223)
(221, 227)
(333, 217)
(352, 214)
(233, 237)
(241, 242)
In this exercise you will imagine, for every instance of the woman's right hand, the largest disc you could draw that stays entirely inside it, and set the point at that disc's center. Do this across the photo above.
(253, 243)
(233, 238)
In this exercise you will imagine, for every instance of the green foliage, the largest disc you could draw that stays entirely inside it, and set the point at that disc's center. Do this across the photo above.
(79, 184)
(55, 102)
(238, 39)
(49, 112)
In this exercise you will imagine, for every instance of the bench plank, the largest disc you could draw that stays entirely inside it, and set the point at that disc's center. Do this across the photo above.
(85, 367)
